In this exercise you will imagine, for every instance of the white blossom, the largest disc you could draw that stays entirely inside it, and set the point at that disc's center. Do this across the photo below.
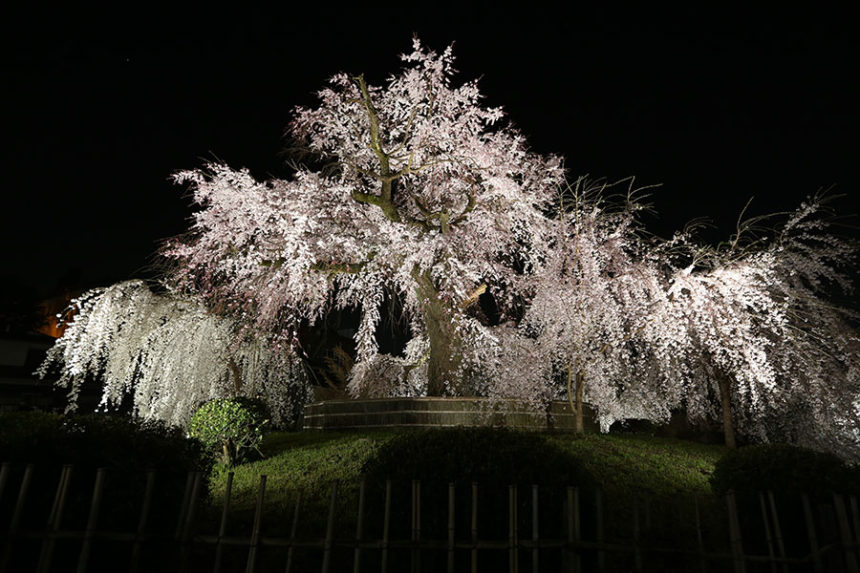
(170, 354)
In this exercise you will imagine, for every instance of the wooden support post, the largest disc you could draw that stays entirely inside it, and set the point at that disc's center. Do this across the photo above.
(183, 507)
(513, 543)
(293, 531)
(329, 531)
(601, 554)
(735, 534)
(637, 549)
(16, 517)
(855, 518)
(535, 534)
(451, 522)
(186, 539)
(54, 519)
(777, 531)
(811, 534)
(146, 504)
(92, 521)
(767, 532)
(258, 523)
(386, 526)
(574, 531)
(699, 539)
(222, 527)
(474, 527)
(4, 477)
(359, 527)
(845, 539)
(647, 513)
(415, 553)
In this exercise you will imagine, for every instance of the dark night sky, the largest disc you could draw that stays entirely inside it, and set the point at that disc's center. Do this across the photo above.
(717, 105)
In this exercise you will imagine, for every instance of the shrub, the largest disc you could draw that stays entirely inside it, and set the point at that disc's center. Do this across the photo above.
(485, 455)
(230, 427)
(783, 469)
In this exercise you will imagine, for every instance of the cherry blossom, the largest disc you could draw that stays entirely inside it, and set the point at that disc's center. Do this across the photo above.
(170, 355)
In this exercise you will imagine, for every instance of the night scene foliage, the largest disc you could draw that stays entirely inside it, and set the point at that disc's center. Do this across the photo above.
(431, 198)
(420, 193)
(170, 355)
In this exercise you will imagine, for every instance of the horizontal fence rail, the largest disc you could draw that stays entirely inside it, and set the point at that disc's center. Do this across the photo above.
(73, 524)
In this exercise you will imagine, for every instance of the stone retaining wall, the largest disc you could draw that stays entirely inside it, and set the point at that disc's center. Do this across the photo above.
(437, 412)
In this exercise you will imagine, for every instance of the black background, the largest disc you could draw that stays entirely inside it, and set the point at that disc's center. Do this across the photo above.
(101, 106)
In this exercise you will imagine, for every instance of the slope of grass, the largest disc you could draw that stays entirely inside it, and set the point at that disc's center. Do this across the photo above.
(642, 477)
(628, 466)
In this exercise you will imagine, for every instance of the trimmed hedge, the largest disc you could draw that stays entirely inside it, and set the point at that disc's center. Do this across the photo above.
(489, 456)
(783, 469)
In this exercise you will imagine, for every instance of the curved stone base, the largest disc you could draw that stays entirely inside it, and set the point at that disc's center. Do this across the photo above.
(438, 412)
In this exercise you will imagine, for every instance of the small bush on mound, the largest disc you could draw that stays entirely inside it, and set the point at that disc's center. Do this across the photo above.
(232, 428)
(491, 457)
(783, 469)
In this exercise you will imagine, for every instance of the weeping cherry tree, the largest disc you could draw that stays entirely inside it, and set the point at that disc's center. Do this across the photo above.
(169, 354)
(597, 311)
(426, 195)
(764, 339)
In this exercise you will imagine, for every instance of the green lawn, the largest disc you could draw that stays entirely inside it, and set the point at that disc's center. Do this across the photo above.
(642, 477)
(627, 466)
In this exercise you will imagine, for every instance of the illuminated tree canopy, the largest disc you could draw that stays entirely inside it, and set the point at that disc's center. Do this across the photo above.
(429, 197)
(169, 354)
(418, 192)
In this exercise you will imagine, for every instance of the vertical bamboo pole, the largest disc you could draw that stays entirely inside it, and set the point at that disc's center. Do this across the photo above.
(601, 554)
(293, 531)
(767, 533)
(329, 530)
(415, 554)
(255, 531)
(187, 526)
(183, 507)
(845, 534)
(474, 527)
(54, 518)
(359, 528)
(777, 531)
(735, 534)
(574, 531)
(811, 534)
(451, 522)
(222, 527)
(699, 539)
(513, 549)
(92, 521)
(16, 517)
(4, 477)
(855, 518)
(535, 535)
(637, 549)
(386, 526)
(141, 523)
(647, 513)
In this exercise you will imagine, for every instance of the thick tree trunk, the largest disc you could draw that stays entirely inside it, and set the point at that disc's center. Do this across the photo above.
(576, 403)
(443, 362)
(237, 376)
(726, 405)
